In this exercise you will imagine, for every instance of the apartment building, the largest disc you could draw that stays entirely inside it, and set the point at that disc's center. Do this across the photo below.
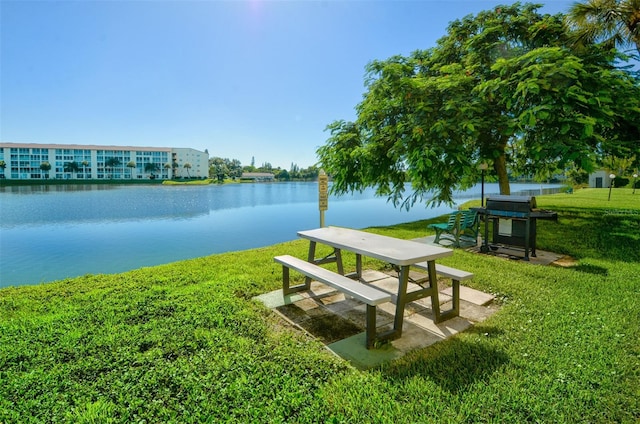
(32, 161)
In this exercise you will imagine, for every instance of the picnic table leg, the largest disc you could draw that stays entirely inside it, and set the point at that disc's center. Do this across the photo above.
(338, 255)
(286, 283)
(371, 326)
(359, 266)
(311, 257)
(401, 302)
(433, 283)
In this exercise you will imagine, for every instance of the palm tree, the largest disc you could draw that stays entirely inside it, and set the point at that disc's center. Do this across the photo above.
(84, 167)
(3, 165)
(131, 165)
(112, 163)
(615, 23)
(174, 165)
(187, 166)
(71, 167)
(167, 166)
(46, 167)
(150, 167)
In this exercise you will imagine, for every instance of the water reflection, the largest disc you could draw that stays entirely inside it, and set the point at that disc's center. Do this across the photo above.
(54, 232)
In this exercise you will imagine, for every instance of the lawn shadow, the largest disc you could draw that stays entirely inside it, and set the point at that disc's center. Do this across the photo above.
(321, 323)
(608, 236)
(590, 269)
(454, 365)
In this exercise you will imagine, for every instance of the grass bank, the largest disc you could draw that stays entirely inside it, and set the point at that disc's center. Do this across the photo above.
(185, 342)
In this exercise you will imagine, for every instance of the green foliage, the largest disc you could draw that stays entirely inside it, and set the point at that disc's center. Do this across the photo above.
(71, 167)
(503, 87)
(185, 342)
(224, 168)
(151, 167)
(576, 175)
(610, 22)
(112, 162)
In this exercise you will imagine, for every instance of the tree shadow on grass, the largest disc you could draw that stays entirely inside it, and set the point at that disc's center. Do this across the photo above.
(454, 365)
(590, 269)
(601, 236)
(322, 324)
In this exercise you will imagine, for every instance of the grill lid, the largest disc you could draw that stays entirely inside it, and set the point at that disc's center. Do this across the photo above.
(514, 203)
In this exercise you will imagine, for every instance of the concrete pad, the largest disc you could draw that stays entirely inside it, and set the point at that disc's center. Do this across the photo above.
(513, 253)
(542, 257)
(275, 298)
(358, 316)
(353, 349)
(318, 289)
(339, 323)
(414, 336)
(471, 295)
(388, 284)
(369, 275)
(477, 313)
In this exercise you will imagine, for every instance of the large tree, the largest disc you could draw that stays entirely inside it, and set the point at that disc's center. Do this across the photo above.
(500, 86)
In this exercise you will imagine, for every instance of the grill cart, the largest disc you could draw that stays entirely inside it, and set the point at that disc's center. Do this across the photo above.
(513, 220)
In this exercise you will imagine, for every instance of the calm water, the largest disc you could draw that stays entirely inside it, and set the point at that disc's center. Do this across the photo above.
(54, 232)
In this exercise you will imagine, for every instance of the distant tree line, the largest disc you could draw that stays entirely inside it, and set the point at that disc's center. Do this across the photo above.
(224, 168)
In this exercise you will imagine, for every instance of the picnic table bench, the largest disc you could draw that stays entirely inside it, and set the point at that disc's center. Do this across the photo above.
(367, 294)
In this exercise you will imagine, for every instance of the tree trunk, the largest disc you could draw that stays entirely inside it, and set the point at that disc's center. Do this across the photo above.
(500, 167)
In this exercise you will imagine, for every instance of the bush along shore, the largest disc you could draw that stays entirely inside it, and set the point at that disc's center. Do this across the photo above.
(186, 342)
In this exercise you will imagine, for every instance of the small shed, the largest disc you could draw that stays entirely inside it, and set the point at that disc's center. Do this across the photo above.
(600, 179)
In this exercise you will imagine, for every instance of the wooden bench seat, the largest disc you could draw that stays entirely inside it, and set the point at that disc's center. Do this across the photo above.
(367, 294)
(460, 225)
(456, 276)
(450, 227)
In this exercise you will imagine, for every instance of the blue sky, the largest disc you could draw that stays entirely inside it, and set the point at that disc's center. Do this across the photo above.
(242, 79)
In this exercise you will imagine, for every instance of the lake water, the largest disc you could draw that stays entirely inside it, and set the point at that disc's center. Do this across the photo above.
(53, 232)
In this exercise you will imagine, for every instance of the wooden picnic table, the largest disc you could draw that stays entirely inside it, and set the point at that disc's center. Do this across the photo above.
(398, 252)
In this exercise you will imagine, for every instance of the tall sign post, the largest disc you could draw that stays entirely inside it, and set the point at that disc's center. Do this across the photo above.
(323, 195)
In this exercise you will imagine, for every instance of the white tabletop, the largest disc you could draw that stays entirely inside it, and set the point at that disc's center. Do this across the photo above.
(388, 249)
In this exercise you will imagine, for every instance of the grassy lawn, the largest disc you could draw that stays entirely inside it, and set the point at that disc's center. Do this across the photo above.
(185, 342)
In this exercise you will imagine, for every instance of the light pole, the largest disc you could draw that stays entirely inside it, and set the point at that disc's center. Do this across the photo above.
(482, 167)
(612, 178)
(635, 177)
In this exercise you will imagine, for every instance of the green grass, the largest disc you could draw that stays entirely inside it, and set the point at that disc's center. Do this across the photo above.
(189, 182)
(185, 342)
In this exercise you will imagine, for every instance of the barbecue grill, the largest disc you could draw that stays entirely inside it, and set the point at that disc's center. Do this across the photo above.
(513, 220)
